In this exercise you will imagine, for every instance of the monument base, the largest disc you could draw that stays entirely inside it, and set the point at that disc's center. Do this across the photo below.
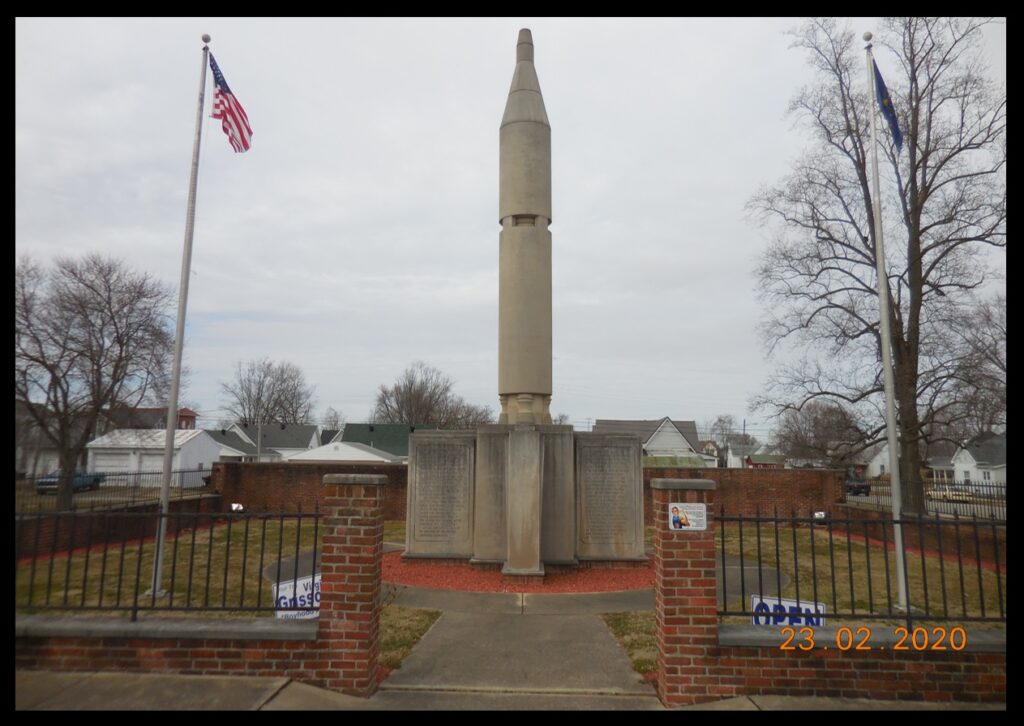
(525, 496)
(506, 570)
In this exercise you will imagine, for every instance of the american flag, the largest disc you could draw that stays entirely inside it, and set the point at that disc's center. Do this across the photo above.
(227, 108)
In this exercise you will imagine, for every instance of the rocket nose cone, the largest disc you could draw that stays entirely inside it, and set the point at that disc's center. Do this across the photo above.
(524, 48)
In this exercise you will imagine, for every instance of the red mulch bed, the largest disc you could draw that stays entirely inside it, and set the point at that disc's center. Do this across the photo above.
(467, 578)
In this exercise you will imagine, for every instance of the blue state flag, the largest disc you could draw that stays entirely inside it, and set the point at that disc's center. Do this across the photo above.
(887, 109)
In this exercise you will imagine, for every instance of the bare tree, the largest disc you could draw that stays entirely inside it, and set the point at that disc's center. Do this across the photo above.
(723, 428)
(89, 334)
(332, 418)
(821, 430)
(561, 419)
(944, 200)
(423, 394)
(268, 392)
(977, 401)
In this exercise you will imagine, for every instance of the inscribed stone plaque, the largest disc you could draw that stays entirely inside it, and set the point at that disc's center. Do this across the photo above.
(610, 497)
(439, 511)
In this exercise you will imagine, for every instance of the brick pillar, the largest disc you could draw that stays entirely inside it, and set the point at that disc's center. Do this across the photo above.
(686, 620)
(350, 602)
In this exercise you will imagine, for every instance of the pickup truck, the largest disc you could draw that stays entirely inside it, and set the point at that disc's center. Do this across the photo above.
(83, 481)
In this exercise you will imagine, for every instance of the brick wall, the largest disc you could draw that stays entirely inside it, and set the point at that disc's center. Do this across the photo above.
(345, 654)
(288, 486)
(303, 661)
(272, 486)
(38, 536)
(742, 491)
(876, 674)
(694, 667)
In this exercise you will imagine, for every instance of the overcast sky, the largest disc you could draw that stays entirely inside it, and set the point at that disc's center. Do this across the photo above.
(360, 232)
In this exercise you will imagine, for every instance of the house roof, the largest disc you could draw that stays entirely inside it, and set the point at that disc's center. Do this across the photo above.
(392, 438)
(327, 435)
(232, 440)
(142, 439)
(645, 429)
(939, 462)
(346, 451)
(280, 436)
(988, 448)
(143, 418)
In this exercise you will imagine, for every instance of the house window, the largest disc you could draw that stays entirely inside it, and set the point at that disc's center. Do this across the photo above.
(986, 475)
(967, 476)
(883, 469)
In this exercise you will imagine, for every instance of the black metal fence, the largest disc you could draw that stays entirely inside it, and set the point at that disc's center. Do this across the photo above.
(985, 500)
(804, 568)
(105, 489)
(242, 562)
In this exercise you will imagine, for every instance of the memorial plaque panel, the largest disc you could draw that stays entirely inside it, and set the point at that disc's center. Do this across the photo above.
(439, 511)
(610, 497)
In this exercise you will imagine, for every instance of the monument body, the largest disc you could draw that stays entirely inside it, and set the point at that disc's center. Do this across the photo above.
(524, 264)
(524, 492)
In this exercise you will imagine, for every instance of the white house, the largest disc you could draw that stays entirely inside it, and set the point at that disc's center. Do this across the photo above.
(345, 451)
(279, 442)
(660, 437)
(142, 450)
(736, 454)
(878, 461)
(982, 460)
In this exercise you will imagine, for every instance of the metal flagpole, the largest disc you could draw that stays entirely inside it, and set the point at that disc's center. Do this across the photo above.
(179, 336)
(883, 308)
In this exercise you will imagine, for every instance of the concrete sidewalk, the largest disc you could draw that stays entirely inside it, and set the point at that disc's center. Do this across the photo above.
(87, 691)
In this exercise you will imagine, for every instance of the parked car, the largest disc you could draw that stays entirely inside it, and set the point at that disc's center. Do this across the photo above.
(81, 482)
(855, 487)
(950, 493)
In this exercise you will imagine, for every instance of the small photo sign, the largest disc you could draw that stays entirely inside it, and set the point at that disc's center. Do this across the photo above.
(687, 517)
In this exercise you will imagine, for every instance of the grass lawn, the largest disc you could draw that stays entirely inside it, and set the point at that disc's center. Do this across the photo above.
(394, 531)
(853, 576)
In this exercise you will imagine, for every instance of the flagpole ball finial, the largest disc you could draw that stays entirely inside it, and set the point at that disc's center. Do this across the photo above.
(867, 37)
(206, 37)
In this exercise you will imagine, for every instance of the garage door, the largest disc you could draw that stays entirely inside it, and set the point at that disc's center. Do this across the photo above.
(152, 468)
(110, 461)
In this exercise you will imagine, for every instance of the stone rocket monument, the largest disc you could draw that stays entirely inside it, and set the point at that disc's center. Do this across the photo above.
(524, 493)
(524, 267)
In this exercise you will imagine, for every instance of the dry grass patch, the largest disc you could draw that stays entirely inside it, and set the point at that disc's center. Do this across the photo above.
(635, 633)
(394, 531)
(400, 631)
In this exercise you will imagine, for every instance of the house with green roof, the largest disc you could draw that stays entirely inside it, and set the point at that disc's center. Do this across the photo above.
(392, 438)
